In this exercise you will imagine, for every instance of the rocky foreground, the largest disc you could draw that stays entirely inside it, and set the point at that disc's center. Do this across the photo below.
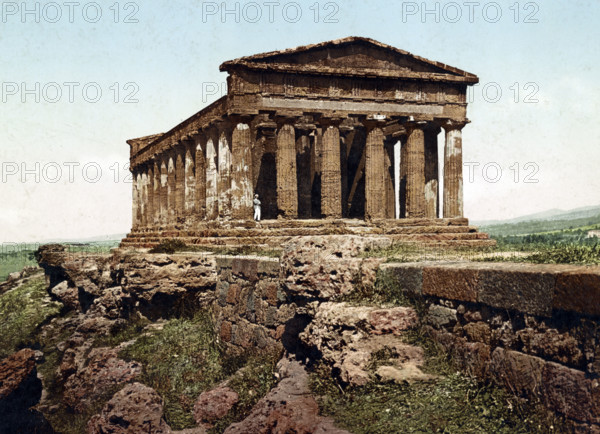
(135, 342)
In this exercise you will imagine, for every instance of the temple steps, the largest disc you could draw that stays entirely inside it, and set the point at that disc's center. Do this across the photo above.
(274, 233)
(310, 231)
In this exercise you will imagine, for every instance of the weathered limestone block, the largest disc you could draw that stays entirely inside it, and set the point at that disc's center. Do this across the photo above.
(517, 372)
(455, 282)
(441, 316)
(571, 393)
(551, 345)
(578, 289)
(324, 267)
(526, 288)
(408, 276)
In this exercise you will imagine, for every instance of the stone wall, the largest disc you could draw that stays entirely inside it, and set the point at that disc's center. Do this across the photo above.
(535, 329)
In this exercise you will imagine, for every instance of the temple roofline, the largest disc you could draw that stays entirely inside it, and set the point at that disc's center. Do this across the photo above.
(244, 61)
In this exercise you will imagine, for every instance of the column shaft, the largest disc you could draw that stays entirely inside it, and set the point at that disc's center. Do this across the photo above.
(389, 180)
(431, 173)
(135, 200)
(375, 199)
(150, 192)
(212, 210)
(415, 176)
(453, 177)
(164, 191)
(190, 181)
(179, 181)
(171, 186)
(242, 191)
(303, 178)
(331, 186)
(156, 193)
(200, 179)
(224, 177)
(287, 186)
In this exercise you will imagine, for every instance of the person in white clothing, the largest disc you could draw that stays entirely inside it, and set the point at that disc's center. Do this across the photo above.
(256, 208)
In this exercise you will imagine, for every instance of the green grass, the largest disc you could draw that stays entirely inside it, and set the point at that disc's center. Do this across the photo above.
(22, 311)
(15, 261)
(453, 403)
(184, 359)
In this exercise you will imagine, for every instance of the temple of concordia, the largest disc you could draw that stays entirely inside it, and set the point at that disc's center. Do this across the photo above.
(337, 137)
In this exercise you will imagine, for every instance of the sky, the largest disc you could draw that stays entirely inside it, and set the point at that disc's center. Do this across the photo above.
(80, 78)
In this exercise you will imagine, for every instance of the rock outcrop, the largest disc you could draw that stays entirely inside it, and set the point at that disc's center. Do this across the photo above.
(20, 389)
(288, 408)
(134, 409)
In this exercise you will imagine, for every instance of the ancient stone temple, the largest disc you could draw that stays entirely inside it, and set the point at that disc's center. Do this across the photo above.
(336, 137)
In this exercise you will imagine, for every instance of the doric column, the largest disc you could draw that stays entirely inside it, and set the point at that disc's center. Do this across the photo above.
(200, 146)
(389, 177)
(164, 189)
(156, 192)
(403, 174)
(135, 198)
(171, 186)
(331, 185)
(224, 170)
(150, 194)
(287, 181)
(453, 178)
(431, 171)
(375, 197)
(304, 178)
(144, 197)
(242, 191)
(179, 180)
(415, 175)
(212, 210)
(189, 199)
(266, 167)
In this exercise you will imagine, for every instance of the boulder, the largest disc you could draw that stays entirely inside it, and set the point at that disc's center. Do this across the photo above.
(288, 408)
(104, 370)
(134, 409)
(214, 405)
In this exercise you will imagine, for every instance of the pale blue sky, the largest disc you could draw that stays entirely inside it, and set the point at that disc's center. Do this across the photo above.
(173, 52)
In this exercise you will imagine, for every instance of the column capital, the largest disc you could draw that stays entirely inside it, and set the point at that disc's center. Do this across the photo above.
(374, 121)
(330, 120)
(414, 125)
(238, 118)
(454, 124)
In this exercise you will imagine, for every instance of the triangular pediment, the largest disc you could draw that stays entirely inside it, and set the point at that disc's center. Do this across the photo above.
(353, 55)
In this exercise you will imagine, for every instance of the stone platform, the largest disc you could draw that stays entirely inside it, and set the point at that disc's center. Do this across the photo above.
(448, 232)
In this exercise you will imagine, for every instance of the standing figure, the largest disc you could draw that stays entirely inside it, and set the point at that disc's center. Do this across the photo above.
(256, 208)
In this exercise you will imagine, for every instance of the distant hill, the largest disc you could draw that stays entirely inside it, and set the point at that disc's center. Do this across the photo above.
(551, 214)
(546, 221)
